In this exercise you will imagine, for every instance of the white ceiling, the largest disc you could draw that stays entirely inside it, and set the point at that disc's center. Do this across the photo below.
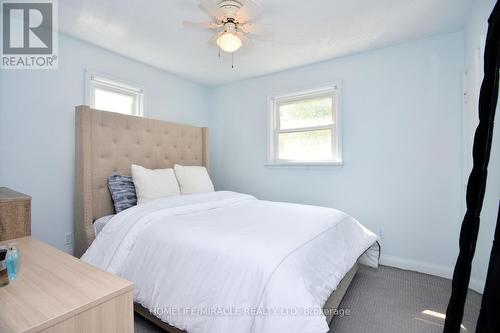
(304, 32)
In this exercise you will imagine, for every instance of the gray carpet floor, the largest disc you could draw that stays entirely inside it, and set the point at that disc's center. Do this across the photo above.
(389, 300)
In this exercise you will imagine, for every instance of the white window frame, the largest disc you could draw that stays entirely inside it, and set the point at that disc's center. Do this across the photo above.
(95, 80)
(276, 100)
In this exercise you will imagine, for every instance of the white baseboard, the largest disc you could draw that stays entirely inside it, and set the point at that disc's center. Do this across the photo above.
(428, 268)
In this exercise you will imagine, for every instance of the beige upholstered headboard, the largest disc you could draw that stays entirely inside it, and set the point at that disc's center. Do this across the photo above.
(108, 143)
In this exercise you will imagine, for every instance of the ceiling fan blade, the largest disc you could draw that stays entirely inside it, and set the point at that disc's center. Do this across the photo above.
(255, 28)
(261, 38)
(247, 44)
(201, 26)
(257, 32)
(211, 8)
(250, 11)
(245, 40)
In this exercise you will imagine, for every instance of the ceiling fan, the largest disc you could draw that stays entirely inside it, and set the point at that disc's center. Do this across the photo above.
(231, 20)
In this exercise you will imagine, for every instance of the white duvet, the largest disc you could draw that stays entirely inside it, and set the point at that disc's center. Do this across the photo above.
(226, 262)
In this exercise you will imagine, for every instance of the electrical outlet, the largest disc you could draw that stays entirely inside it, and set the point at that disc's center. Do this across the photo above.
(68, 238)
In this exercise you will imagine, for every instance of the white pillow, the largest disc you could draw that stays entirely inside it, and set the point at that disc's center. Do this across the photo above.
(154, 184)
(193, 179)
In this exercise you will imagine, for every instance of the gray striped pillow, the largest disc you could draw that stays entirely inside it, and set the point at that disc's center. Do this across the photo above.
(122, 191)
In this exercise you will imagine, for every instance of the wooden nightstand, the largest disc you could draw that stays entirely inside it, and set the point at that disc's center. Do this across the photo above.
(55, 292)
(15, 214)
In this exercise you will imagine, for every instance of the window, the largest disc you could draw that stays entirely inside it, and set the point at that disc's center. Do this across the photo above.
(110, 95)
(305, 128)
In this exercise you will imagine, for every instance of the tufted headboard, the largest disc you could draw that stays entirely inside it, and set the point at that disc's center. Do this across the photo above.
(108, 143)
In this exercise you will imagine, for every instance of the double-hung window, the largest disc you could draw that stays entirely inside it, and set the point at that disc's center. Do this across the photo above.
(104, 93)
(305, 128)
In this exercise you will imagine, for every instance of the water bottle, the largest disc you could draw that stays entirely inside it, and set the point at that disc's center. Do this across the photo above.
(12, 261)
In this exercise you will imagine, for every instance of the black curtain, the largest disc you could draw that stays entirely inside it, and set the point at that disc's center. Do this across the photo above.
(489, 316)
(477, 184)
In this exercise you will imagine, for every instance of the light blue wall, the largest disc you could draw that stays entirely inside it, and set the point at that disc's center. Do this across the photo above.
(474, 32)
(402, 146)
(37, 125)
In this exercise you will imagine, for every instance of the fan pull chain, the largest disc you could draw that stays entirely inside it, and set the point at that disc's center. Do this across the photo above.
(219, 49)
(232, 60)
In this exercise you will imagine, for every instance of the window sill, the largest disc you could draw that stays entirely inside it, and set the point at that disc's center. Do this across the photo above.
(335, 165)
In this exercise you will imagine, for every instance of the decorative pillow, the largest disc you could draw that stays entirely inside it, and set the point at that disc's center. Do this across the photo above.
(122, 191)
(154, 184)
(193, 179)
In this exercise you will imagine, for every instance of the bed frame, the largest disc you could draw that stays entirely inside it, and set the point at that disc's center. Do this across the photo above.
(108, 143)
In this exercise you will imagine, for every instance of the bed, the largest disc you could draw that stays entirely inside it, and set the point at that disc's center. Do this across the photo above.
(209, 262)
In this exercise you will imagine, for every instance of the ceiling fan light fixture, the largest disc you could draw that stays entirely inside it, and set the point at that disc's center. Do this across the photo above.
(229, 42)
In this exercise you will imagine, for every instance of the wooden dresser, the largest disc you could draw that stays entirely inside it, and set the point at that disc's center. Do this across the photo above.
(55, 292)
(15, 214)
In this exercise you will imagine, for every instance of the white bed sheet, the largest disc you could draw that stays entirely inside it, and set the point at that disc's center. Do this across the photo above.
(227, 262)
(100, 223)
